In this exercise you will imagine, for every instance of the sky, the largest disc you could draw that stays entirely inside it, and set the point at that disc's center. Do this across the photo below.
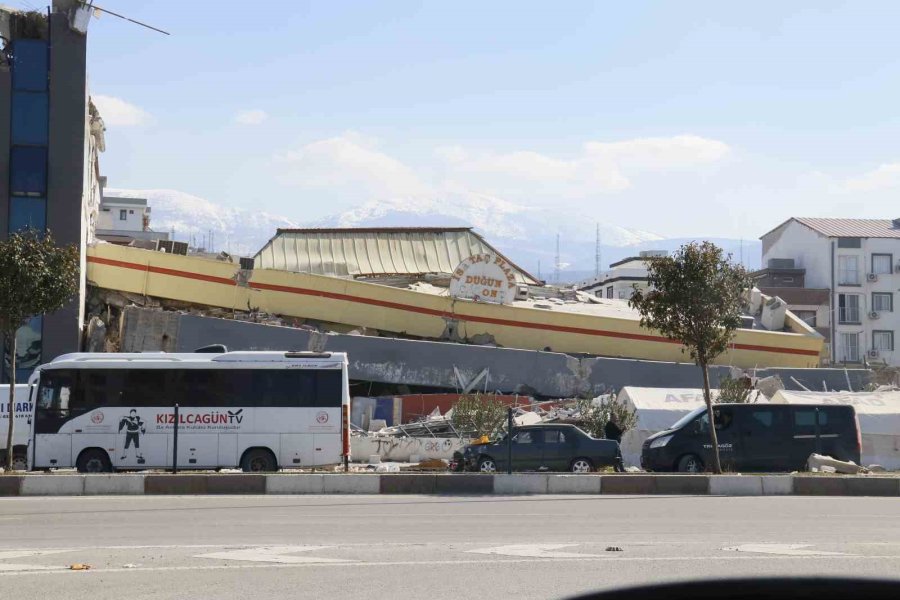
(691, 118)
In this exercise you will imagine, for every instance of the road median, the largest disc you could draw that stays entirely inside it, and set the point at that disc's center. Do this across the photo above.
(131, 484)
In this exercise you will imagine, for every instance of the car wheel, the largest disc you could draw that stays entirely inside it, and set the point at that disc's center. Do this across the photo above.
(690, 463)
(258, 460)
(581, 465)
(487, 465)
(93, 460)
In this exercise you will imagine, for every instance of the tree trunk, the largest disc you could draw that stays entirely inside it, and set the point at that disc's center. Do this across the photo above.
(11, 409)
(717, 465)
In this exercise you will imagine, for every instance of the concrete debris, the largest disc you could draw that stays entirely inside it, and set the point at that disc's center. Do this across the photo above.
(827, 464)
(876, 469)
(387, 468)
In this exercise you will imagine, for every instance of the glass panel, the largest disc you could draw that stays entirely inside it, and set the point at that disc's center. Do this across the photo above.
(523, 437)
(881, 263)
(881, 302)
(763, 417)
(29, 65)
(30, 118)
(28, 351)
(883, 340)
(848, 270)
(28, 171)
(27, 213)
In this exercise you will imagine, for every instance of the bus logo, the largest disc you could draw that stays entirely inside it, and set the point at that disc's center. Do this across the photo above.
(97, 418)
(322, 417)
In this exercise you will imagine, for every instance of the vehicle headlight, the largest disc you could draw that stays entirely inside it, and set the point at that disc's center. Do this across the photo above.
(660, 441)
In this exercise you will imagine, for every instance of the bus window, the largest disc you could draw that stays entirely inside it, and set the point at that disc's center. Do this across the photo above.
(147, 387)
(329, 388)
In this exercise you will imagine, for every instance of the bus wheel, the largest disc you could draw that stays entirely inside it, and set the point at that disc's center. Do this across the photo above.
(93, 460)
(258, 460)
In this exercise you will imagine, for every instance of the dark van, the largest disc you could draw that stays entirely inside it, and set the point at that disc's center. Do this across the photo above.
(756, 437)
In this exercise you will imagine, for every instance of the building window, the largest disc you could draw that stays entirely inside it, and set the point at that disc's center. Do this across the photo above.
(883, 340)
(848, 270)
(787, 280)
(882, 302)
(130, 212)
(609, 292)
(30, 123)
(850, 347)
(28, 171)
(123, 214)
(882, 264)
(849, 242)
(848, 308)
(27, 213)
(807, 316)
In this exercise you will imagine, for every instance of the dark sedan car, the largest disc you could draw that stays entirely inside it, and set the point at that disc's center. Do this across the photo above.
(552, 447)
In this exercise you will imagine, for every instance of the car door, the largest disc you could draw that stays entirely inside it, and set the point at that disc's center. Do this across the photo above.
(527, 448)
(557, 449)
(762, 432)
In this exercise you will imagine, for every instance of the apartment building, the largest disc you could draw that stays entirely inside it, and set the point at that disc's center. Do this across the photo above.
(858, 262)
(622, 277)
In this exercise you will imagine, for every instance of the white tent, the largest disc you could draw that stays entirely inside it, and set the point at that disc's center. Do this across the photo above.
(656, 410)
(879, 420)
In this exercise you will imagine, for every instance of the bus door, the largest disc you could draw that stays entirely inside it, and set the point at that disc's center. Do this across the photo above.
(52, 439)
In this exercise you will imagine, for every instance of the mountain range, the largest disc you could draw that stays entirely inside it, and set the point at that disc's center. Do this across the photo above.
(527, 235)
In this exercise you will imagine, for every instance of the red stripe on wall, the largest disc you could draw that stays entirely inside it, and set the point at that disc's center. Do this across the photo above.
(428, 311)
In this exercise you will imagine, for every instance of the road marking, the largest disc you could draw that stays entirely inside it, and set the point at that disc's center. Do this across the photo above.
(534, 551)
(16, 567)
(274, 554)
(784, 550)
(426, 563)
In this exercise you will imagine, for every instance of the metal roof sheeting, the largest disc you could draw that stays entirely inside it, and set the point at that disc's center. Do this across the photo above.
(375, 252)
(870, 228)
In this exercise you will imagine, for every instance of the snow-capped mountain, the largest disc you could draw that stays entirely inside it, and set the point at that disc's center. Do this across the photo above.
(527, 235)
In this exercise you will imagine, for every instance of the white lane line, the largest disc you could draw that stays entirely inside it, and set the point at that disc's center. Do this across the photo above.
(8, 554)
(426, 563)
(783, 550)
(534, 551)
(274, 554)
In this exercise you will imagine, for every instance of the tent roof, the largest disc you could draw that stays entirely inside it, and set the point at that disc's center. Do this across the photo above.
(658, 408)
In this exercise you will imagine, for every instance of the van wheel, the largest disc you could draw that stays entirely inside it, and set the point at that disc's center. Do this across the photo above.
(258, 460)
(93, 460)
(690, 463)
(581, 465)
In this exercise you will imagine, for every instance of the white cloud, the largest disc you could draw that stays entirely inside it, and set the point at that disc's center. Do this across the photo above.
(599, 167)
(253, 116)
(659, 152)
(119, 113)
(351, 161)
(883, 177)
(351, 166)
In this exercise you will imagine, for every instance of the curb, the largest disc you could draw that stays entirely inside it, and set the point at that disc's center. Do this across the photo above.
(470, 484)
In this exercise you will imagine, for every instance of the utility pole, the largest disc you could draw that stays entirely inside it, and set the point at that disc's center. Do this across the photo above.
(556, 265)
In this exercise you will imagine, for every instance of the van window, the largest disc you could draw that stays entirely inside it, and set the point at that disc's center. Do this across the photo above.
(765, 418)
(805, 421)
(723, 417)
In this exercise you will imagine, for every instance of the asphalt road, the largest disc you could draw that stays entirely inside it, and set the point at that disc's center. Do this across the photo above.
(336, 547)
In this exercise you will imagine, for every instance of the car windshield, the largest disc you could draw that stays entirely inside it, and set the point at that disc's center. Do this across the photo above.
(687, 418)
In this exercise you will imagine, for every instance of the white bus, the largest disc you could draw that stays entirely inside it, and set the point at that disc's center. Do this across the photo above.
(259, 411)
(22, 429)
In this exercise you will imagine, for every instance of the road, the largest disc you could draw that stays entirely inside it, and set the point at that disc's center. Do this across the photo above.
(256, 547)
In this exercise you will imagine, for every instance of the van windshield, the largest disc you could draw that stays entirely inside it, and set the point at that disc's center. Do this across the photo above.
(688, 418)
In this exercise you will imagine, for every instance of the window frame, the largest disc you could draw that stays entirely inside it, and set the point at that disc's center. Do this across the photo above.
(844, 347)
(883, 332)
(890, 295)
(890, 263)
(842, 310)
(844, 270)
(123, 214)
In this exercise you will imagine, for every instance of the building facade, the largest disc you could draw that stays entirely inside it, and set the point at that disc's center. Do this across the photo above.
(622, 277)
(858, 262)
(50, 137)
(125, 220)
